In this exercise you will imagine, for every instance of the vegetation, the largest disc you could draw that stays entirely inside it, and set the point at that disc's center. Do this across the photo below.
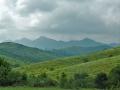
(101, 81)
(115, 77)
(33, 88)
(9, 77)
(102, 61)
(24, 54)
(98, 70)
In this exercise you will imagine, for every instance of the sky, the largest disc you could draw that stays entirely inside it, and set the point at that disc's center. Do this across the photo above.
(60, 19)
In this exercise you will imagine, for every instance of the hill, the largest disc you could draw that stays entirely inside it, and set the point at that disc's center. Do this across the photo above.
(77, 50)
(92, 68)
(94, 63)
(49, 44)
(23, 53)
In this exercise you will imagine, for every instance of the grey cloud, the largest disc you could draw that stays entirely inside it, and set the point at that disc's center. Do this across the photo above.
(32, 6)
(71, 19)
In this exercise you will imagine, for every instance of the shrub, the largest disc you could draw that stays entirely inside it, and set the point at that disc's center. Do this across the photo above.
(41, 81)
(17, 79)
(8, 77)
(80, 80)
(114, 77)
(101, 80)
(63, 80)
(4, 71)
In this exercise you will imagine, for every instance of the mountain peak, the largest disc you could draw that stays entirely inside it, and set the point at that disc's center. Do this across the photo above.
(43, 38)
(87, 39)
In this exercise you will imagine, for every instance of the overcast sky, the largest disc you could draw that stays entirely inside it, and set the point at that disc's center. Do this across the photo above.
(60, 19)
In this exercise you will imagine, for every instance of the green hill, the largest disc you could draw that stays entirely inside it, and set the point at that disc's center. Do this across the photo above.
(13, 62)
(92, 68)
(23, 53)
(91, 64)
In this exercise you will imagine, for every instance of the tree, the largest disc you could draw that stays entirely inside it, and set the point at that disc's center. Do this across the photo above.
(114, 76)
(80, 80)
(16, 78)
(4, 71)
(41, 81)
(101, 80)
(63, 80)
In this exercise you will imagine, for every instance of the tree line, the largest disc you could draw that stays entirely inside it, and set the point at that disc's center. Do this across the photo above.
(8, 77)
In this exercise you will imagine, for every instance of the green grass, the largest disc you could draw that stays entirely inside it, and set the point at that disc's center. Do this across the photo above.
(102, 61)
(92, 68)
(30, 88)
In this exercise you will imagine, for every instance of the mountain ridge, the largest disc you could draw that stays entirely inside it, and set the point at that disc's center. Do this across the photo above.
(25, 53)
(49, 44)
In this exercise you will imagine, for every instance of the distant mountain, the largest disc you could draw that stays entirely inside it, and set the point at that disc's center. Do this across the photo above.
(49, 44)
(23, 53)
(77, 50)
(115, 44)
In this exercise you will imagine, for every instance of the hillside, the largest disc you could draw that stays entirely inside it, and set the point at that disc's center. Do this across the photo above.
(23, 53)
(92, 68)
(13, 62)
(77, 50)
(94, 63)
(49, 44)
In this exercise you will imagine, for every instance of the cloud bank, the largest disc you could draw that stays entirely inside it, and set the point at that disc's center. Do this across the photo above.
(60, 19)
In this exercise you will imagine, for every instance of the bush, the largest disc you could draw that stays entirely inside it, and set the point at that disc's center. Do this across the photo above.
(80, 80)
(41, 81)
(17, 79)
(8, 77)
(4, 71)
(114, 77)
(63, 81)
(101, 81)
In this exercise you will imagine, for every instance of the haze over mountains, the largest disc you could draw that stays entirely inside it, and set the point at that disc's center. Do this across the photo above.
(43, 48)
(49, 44)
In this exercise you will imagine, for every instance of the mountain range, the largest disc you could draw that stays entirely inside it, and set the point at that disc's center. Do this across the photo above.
(49, 44)
(31, 51)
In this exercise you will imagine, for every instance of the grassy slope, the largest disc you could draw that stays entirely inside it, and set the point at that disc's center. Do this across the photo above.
(12, 61)
(60, 65)
(24, 53)
(92, 68)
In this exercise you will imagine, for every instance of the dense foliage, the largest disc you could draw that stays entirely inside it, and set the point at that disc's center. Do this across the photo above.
(9, 77)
